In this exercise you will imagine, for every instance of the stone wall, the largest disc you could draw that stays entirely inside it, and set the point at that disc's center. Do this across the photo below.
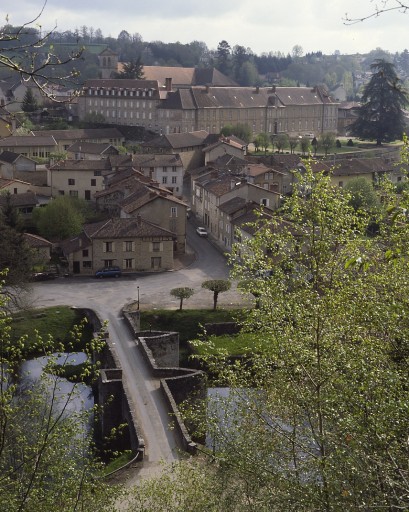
(113, 397)
(177, 384)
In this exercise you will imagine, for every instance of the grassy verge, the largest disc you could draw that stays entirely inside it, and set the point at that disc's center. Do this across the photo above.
(54, 326)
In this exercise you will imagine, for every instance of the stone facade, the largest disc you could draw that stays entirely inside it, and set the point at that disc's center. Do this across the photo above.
(292, 110)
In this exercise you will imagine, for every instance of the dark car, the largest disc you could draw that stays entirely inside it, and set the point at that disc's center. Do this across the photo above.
(43, 276)
(108, 272)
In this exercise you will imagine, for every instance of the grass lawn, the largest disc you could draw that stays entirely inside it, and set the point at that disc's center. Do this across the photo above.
(234, 345)
(188, 322)
(56, 323)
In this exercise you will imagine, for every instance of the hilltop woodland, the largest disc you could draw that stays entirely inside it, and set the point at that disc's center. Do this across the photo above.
(240, 63)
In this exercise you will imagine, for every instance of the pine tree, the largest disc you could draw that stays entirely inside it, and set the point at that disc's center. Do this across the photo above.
(381, 115)
(29, 102)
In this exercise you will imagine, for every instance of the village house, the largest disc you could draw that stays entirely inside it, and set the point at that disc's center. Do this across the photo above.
(133, 244)
(225, 146)
(11, 163)
(373, 169)
(164, 169)
(40, 146)
(189, 146)
(212, 190)
(66, 138)
(78, 178)
(129, 193)
(40, 246)
(82, 150)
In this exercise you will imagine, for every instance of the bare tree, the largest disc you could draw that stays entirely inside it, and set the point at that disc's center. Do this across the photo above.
(383, 7)
(25, 51)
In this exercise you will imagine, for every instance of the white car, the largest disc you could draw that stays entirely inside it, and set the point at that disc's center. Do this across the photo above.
(201, 231)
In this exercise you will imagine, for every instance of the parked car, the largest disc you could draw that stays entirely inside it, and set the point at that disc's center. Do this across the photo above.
(201, 231)
(43, 276)
(108, 272)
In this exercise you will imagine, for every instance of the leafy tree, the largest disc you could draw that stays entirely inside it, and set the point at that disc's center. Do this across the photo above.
(362, 194)
(216, 286)
(293, 142)
(318, 420)
(381, 116)
(61, 218)
(305, 144)
(281, 142)
(247, 74)
(46, 456)
(182, 293)
(262, 140)
(242, 131)
(29, 102)
(327, 141)
(16, 265)
(132, 69)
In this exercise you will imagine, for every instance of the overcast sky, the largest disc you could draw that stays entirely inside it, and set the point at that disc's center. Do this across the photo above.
(262, 25)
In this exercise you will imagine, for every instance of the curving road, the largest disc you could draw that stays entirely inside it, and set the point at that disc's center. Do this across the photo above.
(108, 296)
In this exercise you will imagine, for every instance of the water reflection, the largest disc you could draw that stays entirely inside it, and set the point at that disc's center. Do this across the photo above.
(79, 395)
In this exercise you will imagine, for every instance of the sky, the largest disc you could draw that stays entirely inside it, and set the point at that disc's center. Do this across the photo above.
(261, 25)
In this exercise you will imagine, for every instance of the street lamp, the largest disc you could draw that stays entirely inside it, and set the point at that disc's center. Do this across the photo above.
(138, 296)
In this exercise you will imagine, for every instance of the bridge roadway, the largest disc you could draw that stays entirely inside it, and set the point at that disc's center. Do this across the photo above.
(108, 296)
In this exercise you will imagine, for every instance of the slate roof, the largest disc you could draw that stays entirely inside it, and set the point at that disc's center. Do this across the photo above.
(355, 166)
(187, 76)
(93, 148)
(36, 241)
(81, 165)
(24, 199)
(244, 97)
(9, 156)
(80, 133)
(28, 140)
(159, 160)
(134, 227)
(232, 205)
(38, 178)
(178, 140)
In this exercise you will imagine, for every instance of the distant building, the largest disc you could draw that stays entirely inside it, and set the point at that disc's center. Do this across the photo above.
(145, 103)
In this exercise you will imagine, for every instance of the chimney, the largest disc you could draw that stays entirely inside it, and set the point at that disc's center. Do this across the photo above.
(207, 89)
(168, 84)
(273, 89)
(257, 89)
(138, 220)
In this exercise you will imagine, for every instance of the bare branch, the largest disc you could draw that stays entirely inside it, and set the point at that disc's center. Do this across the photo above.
(385, 7)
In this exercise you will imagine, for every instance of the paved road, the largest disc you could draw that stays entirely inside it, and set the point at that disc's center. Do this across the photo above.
(108, 296)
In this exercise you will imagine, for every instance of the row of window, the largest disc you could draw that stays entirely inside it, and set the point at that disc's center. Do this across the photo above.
(129, 246)
(71, 182)
(121, 103)
(127, 263)
(121, 92)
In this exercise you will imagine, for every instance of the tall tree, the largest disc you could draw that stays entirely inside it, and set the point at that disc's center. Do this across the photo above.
(132, 69)
(318, 420)
(223, 57)
(29, 102)
(381, 115)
